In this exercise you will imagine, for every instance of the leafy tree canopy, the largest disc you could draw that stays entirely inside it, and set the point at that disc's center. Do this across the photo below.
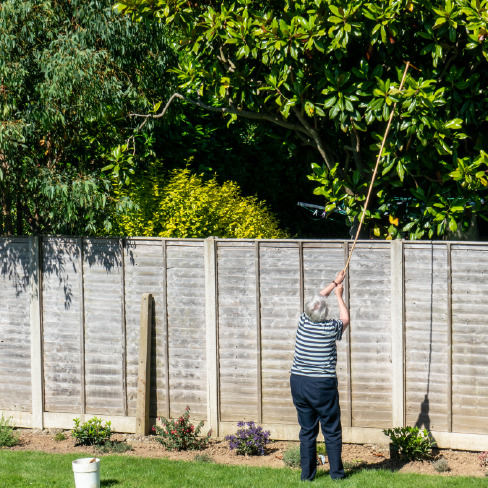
(70, 71)
(183, 204)
(330, 72)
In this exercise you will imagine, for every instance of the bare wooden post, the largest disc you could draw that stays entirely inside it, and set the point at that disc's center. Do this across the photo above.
(143, 375)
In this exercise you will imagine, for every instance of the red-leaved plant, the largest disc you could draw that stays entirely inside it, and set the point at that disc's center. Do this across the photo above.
(483, 457)
(180, 434)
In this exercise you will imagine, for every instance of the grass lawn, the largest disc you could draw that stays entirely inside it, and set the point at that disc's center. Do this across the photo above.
(20, 469)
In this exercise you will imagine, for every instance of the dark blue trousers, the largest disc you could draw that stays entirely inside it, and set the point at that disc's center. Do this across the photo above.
(317, 400)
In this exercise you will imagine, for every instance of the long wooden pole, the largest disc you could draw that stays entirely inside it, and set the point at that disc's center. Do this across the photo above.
(378, 159)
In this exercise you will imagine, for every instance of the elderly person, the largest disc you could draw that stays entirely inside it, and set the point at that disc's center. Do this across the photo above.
(313, 380)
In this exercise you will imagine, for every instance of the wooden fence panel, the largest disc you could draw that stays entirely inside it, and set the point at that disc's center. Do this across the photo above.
(104, 327)
(280, 309)
(62, 320)
(370, 309)
(186, 322)
(145, 272)
(426, 346)
(238, 353)
(470, 339)
(15, 353)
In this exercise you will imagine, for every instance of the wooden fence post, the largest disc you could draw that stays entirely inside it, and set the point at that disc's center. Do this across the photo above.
(37, 387)
(144, 370)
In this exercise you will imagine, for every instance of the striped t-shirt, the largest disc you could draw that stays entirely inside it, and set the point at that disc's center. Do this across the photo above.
(315, 347)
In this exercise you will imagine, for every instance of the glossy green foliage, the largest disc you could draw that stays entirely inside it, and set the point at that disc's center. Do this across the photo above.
(411, 443)
(70, 71)
(92, 432)
(331, 72)
(185, 205)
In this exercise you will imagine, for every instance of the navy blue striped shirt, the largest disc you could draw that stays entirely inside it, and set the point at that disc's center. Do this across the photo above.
(315, 347)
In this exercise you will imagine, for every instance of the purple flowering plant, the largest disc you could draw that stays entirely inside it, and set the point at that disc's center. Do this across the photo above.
(250, 439)
(180, 434)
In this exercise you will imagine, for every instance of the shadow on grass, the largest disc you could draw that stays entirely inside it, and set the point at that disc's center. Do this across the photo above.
(108, 483)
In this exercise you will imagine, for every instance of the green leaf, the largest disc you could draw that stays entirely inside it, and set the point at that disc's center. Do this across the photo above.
(335, 11)
(330, 207)
(330, 101)
(401, 170)
(407, 227)
(454, 124)
(356, 177)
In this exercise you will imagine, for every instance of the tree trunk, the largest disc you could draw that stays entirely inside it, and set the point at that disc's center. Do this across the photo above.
(19, 215)
(6, 211)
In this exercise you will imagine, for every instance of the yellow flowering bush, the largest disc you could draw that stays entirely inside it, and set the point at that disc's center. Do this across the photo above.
(186, 205)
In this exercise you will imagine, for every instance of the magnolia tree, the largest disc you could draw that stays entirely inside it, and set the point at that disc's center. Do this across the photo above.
(330, 72)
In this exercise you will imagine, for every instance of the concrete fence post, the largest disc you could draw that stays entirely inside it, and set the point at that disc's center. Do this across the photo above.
(211, 327)
(37, 387)
(397, 334)
(144, 369)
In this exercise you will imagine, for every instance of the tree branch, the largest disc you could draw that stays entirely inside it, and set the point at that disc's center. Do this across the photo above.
(448, 63)
(229, 65)
(306, 141)
(355, 148)
(315, 136)
(248, 114)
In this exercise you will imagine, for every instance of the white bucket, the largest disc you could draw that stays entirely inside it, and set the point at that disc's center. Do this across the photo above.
(87, 472)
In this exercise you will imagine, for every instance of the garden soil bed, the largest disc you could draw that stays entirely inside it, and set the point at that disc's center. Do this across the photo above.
(355, 456)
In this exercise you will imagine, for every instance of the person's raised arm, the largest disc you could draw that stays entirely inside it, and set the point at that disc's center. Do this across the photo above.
(343, 311)
(333, 284)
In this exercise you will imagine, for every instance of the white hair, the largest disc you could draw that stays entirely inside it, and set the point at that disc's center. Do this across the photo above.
(316, 308)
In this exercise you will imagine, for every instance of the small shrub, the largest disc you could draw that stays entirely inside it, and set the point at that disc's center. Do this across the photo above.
(291, 456)
(116, 447)
(203, 458)
(181, 434)
(321, 449)
(354, 463)
(92, 432)
(7, 437)
(60, 437)
(249, 440)
(410, 442)
(441, 465)
(483, 457)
